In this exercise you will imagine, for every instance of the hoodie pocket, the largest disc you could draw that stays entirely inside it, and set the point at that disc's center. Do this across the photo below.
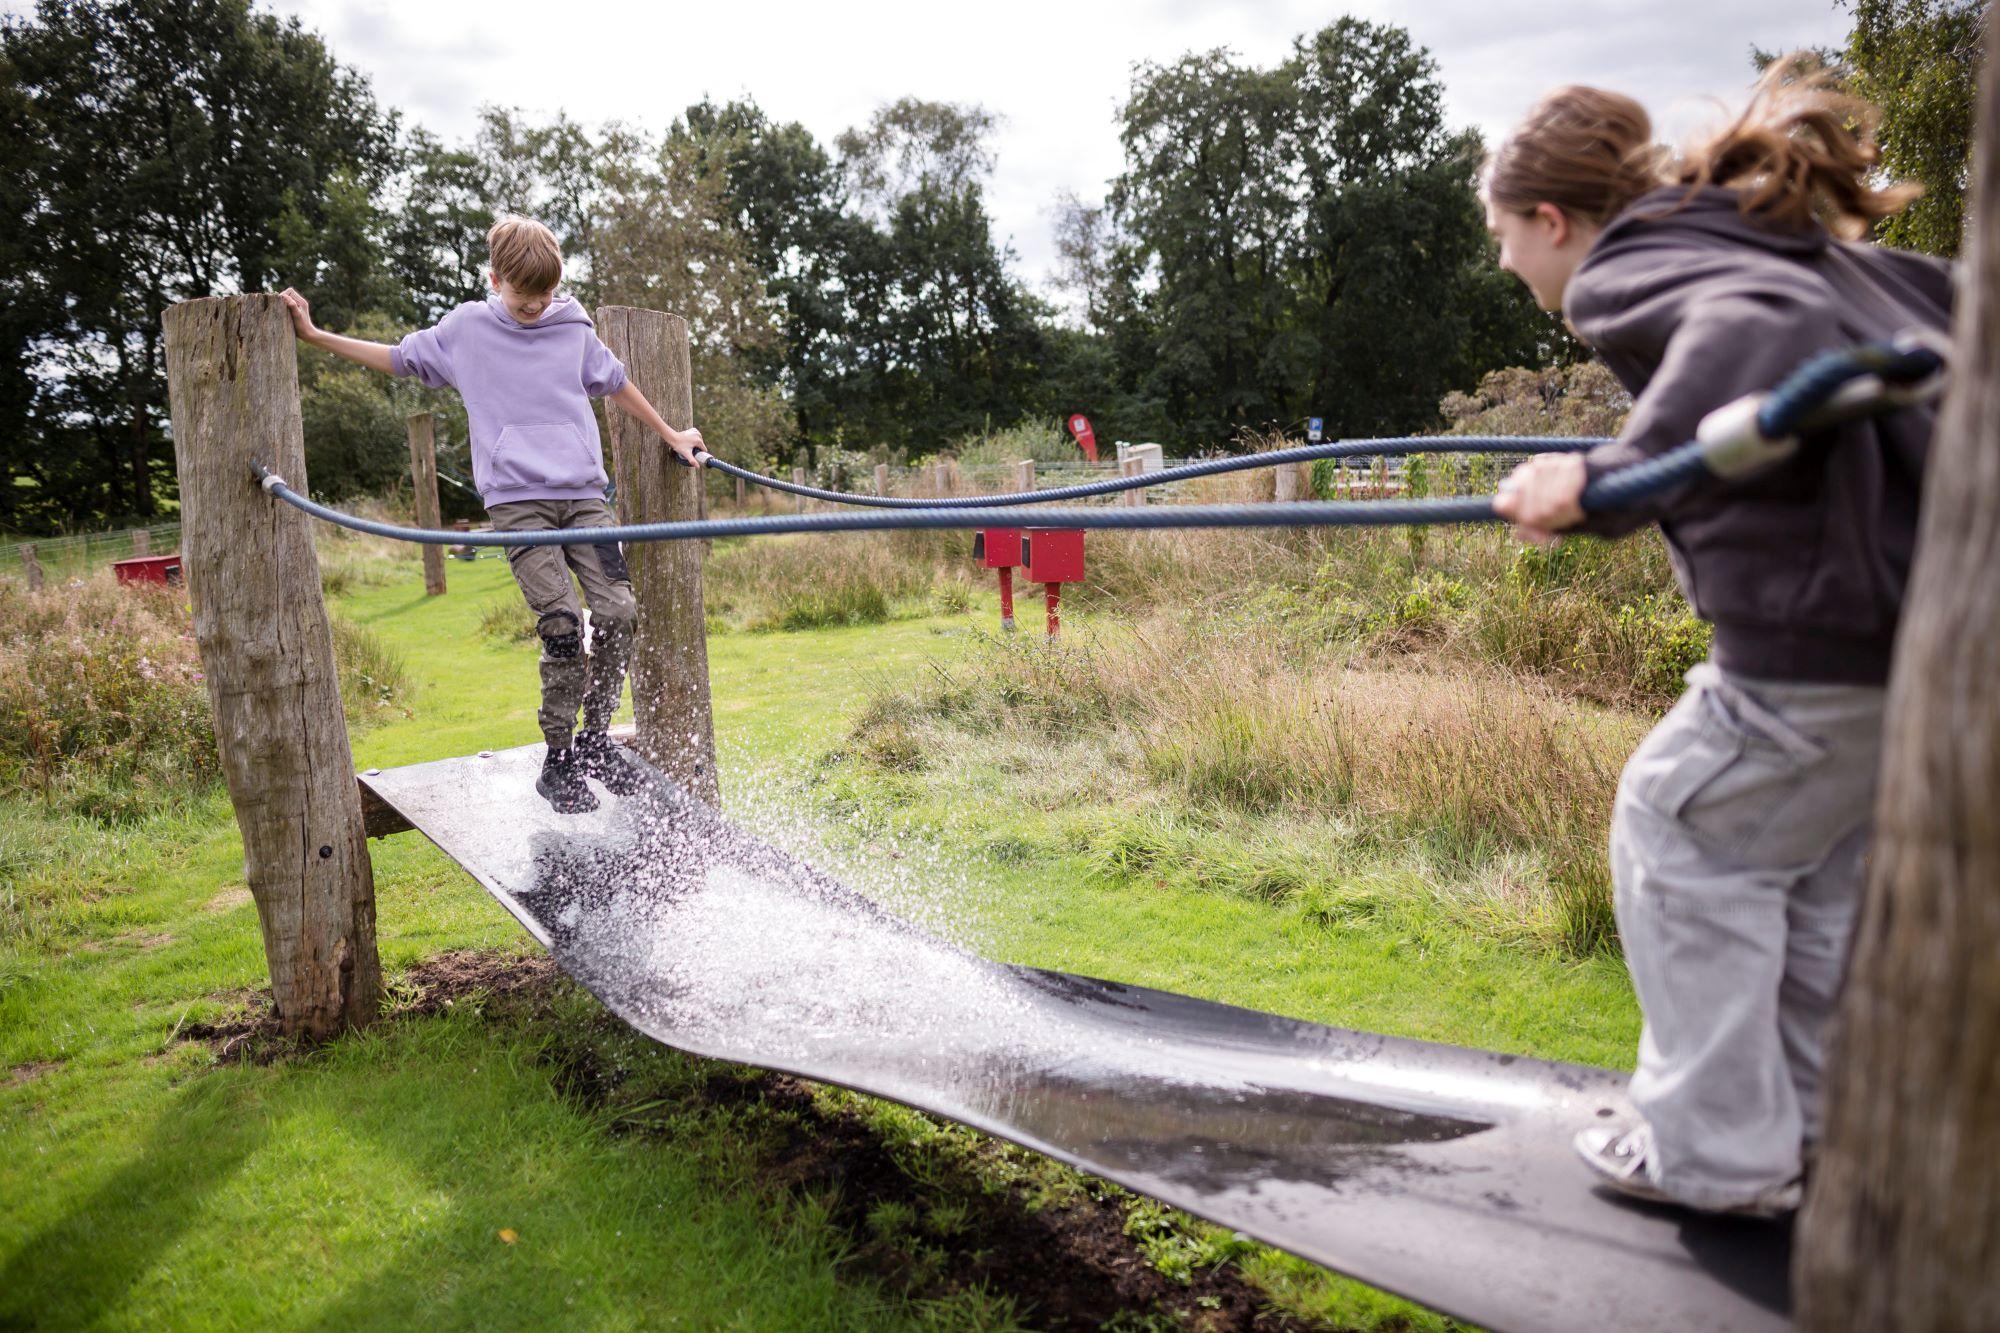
(544, 453)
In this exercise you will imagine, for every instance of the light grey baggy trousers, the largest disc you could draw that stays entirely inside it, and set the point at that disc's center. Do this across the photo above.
(1737, 841)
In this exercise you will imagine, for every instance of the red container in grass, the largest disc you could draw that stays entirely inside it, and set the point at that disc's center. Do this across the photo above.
(148, 569)
(997, 548)
(1052, 555)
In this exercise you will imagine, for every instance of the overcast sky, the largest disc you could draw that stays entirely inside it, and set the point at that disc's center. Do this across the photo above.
(1053, 70)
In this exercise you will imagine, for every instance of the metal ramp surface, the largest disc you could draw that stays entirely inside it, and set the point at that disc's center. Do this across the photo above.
(1440, 1173)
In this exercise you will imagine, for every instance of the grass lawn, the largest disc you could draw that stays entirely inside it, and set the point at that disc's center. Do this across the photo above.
(370, 1183)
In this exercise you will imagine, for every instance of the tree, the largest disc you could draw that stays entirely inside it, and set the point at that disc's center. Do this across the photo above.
(665, 239)
(1304, 240)
(1208, 202)
(1901, 1230)
(1916, 60)
(161, 147)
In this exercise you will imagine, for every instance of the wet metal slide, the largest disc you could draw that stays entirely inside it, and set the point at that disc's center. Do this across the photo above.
(1440, 1173)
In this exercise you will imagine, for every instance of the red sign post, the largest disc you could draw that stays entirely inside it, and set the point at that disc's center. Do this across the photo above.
(1079, 426)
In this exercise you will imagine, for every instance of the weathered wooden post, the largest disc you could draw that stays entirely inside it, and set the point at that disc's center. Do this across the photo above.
(142, 542)
(676, 724)
(881, 479)
(742, 493)
(1289, 482)
(1902, 1229)
(1132, 467)
(424, 480)
(799, 479)
(267, 654)
(31, 566)
(1024, 475)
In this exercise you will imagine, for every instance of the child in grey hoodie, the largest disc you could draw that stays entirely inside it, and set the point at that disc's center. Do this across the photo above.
(1740, 823)
(528, 362)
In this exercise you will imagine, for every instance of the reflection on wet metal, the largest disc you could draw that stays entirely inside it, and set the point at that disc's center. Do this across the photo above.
(1440, 1173)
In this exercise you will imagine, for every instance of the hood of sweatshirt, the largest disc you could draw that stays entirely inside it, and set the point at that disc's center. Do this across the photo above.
(562, 310)
(1674, 215)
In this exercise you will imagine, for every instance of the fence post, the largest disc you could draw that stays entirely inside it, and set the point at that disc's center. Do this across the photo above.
(799, 479)
(31, 567)
(670, 699)
(142, 543)
(881, 479)
(1132, 467)
(424, 480)
(742, 495)
(267, 653)
(1285, 478)
(1024, 475)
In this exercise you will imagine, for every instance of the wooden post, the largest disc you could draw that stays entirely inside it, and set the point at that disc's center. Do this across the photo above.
(881, 479)
(1132, 467)
(424, 479)
(267, 654)
(1024, 475)
(670, 700)
(1285, 482)
(31, 566)
(742, 493)
(799, 479)
(1901, 1230)
(142, 543)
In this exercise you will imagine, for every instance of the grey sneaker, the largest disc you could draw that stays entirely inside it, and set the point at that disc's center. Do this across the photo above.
(1619, 1157)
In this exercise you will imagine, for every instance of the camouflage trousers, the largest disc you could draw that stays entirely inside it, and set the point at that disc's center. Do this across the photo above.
(571, 678)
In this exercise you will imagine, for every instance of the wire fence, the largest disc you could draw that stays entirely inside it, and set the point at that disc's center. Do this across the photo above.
(79, 554)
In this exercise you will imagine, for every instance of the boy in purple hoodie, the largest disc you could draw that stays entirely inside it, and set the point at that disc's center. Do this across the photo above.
(527, 364)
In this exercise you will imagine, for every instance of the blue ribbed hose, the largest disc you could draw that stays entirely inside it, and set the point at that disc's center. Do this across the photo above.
(1624, 487)
(1207, 467)
(1802, 403)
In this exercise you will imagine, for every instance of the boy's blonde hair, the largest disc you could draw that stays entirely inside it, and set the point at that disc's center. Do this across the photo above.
(525, 254)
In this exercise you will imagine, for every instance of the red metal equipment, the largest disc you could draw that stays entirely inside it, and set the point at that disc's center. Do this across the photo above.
(148, 569)
(1052, 557)
(1000, 548)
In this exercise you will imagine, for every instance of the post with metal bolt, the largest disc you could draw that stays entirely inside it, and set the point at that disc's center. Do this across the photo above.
(267, 654)
(670, 697)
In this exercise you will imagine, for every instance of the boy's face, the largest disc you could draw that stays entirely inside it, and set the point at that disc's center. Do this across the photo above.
(522, 307)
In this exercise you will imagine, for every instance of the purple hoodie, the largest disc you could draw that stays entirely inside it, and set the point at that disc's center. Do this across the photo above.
(527, 391)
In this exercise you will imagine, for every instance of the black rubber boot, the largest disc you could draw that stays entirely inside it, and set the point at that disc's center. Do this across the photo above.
(562, 782)
(600, 757)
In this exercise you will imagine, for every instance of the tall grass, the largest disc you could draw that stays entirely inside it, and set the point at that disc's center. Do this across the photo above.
(1500, 787)
(816, 581)
(105, 708)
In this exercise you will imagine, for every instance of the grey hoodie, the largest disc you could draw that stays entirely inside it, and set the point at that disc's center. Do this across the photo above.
(1801, 567)
(527, 391)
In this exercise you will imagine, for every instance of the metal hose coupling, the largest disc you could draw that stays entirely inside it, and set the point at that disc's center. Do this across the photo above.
(1750, 433)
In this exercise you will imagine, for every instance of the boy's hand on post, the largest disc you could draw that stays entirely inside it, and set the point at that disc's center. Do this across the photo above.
(301, 312)
(686, 443)
(1542, 497)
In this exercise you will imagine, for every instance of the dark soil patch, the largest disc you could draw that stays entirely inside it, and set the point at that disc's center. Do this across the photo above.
(253, 1035)
(21, 1075)
(1071, 1265)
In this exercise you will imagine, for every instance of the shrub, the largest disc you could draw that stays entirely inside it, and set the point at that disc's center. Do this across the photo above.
(105, 709)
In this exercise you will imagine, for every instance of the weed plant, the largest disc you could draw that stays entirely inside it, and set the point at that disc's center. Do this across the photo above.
(105, 706)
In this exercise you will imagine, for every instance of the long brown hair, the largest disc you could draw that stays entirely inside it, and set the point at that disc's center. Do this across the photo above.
(1801, 150)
